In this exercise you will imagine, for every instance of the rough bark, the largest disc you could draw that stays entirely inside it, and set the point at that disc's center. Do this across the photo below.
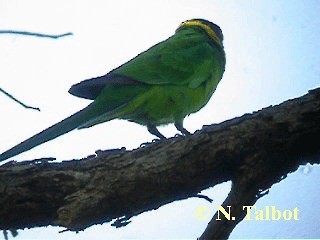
(254, 151)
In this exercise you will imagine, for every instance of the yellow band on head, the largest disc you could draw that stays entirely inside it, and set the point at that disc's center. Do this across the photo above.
(212, 34)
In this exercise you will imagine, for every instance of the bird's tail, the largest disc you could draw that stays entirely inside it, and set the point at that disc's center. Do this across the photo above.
(50, 133)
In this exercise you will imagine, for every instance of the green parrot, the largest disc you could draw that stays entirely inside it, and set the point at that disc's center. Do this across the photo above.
(162, 85)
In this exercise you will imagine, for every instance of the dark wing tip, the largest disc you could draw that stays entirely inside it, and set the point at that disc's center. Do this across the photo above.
(89, 89)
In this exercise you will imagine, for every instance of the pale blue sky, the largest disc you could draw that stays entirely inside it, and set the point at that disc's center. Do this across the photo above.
(272, 49)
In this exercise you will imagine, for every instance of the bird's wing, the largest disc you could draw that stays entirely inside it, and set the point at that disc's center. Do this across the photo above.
(177, 60)
(91, 88)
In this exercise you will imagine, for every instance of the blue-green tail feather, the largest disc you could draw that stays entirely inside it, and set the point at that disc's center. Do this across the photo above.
(50, 133)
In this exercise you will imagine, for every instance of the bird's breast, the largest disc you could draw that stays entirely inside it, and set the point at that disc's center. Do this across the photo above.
(165, 104)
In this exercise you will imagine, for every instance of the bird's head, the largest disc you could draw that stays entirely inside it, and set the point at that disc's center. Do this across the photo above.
(213, 30)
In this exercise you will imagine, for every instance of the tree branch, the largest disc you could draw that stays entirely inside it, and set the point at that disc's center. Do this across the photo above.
(19, 102)
(254, 151)
(26, 33)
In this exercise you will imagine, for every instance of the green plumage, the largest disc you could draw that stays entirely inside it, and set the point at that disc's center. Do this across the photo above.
(162, 85)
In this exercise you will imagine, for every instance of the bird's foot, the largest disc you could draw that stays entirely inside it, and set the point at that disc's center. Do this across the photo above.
(149, 143)
(179, 135)
(144, 144)
(154, 131)
(181, 129)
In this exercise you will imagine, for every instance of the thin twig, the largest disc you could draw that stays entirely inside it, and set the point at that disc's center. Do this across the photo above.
(35, 34)
(203, 197)
(16, 100)
(5, 234)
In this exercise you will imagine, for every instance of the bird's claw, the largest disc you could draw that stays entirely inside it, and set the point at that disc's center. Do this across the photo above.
(148, 143)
